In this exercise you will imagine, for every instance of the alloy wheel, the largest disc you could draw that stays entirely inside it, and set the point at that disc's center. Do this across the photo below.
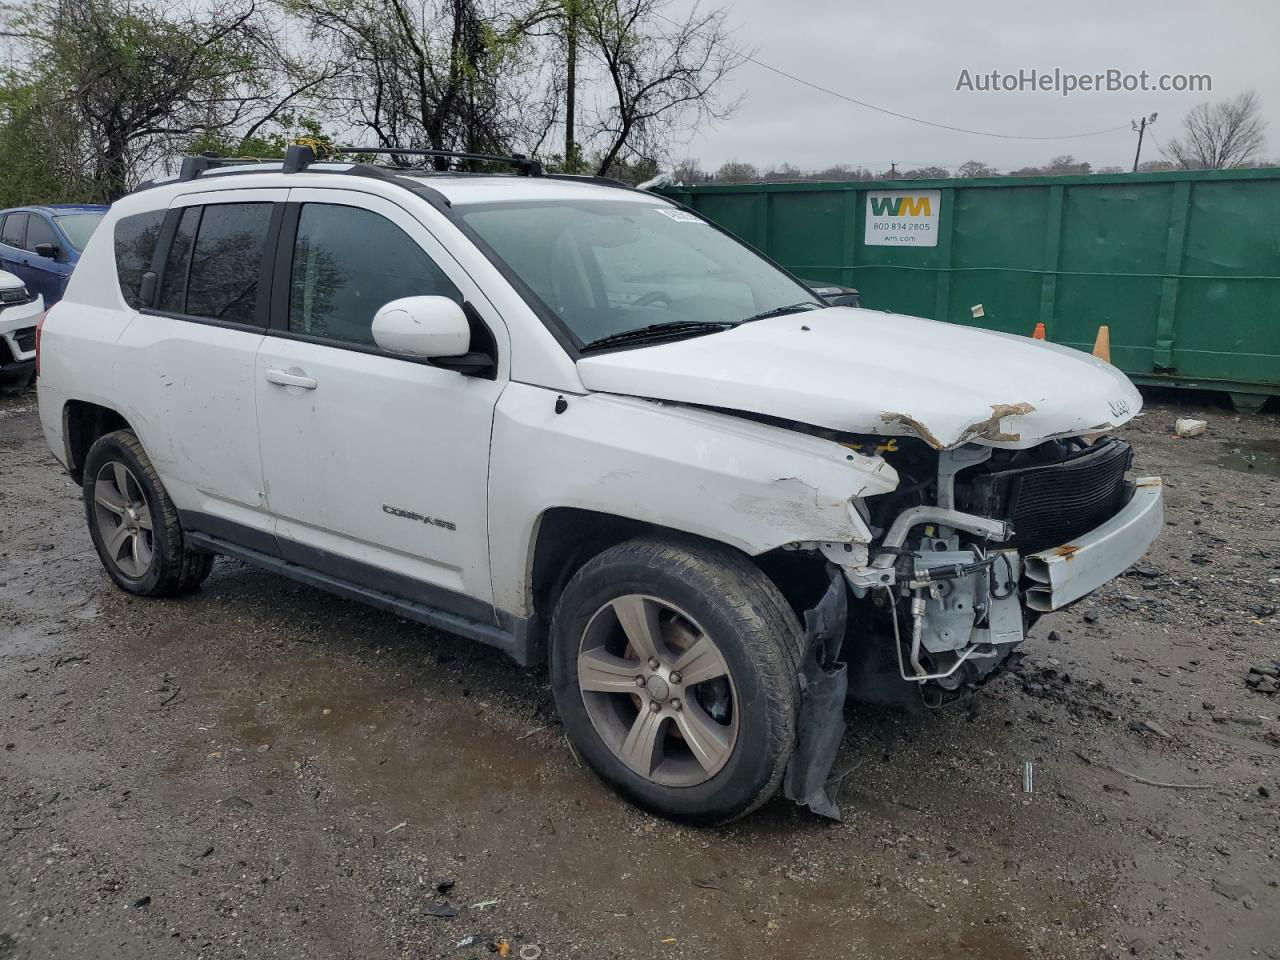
(124, 520)
(658, 691)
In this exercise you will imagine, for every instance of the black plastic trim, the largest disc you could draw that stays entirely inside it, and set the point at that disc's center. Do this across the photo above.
(250, 538)
(377, 588)
(207, 321)
(283, 272)
(160, 255)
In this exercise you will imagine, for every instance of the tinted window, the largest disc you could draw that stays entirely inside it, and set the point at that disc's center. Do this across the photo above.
(39, 230)
(223, 281)
(347, 263)
(135, 243)
(173, 289)
(79, 227)
(15, 224)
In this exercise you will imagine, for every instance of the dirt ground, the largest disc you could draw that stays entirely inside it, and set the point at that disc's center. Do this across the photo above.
(262, 770)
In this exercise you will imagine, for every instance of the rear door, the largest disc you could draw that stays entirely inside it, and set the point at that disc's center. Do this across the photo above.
(376, 466)
(190, 354)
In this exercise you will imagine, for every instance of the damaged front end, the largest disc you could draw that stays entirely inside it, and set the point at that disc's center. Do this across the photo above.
(974, 545)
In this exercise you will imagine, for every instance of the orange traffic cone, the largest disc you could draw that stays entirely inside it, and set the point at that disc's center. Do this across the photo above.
(1039, 332)
(1102, 345)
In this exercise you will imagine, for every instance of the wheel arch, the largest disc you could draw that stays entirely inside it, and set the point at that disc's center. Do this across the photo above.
(565, 538)
(83, 423)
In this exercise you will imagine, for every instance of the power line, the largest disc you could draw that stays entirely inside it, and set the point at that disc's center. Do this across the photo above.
(928, 123)
(886, 110)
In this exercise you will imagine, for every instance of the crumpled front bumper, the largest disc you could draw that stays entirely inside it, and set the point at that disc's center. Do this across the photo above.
(1063, 574)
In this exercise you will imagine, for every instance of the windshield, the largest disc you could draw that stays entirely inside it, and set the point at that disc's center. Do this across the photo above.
(79, 227)
(608, 267)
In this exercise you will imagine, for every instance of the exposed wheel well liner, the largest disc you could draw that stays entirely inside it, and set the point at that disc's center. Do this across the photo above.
(82, 424)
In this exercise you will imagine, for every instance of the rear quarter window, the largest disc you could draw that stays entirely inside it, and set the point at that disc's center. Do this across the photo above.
(135, 243)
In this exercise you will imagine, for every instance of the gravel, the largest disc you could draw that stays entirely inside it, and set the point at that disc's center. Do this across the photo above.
(261, 770)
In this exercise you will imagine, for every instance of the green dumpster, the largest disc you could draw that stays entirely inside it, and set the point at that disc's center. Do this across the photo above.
(1183, 267)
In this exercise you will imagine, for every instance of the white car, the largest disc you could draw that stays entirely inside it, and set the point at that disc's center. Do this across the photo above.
(577, 422)
(19, 313)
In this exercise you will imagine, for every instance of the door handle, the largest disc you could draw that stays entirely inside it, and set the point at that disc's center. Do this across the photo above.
(286, 379)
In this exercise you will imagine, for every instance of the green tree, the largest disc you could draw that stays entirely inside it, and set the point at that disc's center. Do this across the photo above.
(133, 81)
(40, 145)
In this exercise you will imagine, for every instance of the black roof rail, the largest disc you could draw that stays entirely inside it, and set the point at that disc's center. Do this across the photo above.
(299, 156)
(590, 178)
(192, 167)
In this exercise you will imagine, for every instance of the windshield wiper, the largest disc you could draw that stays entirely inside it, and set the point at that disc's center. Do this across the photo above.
(782, 311)
(671, 330)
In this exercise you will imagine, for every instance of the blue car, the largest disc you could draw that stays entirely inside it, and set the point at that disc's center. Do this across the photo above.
(41, 245)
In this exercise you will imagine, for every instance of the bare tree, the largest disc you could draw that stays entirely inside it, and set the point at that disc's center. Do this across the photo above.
(439, 74)
(1230, 133)
(927, 173)
(735, 171)
(976, 168)
(660, 74)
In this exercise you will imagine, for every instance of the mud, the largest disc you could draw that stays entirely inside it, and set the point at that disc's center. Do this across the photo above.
(262, 770)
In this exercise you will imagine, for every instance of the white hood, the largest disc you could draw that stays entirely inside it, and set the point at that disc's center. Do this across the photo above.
(8, 281)
(863, 371)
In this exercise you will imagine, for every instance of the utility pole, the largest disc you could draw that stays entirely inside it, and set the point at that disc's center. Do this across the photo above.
(571, 82)
(1140, 127)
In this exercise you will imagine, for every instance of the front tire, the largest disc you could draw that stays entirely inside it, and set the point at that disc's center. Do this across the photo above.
(134, 524)
(675, 667)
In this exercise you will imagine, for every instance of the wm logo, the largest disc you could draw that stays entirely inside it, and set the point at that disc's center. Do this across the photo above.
(901, 206)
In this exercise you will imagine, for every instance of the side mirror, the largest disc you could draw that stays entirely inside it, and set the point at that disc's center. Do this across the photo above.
(426, 327)
(47, 250)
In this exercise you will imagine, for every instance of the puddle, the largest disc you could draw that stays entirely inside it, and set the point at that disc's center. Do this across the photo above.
(1251, 456)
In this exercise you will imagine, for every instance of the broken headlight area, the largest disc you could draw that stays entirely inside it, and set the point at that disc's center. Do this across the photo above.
(941, 602)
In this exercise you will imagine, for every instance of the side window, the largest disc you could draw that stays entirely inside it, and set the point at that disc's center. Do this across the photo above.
(347, 263)
(135, 241)
(39, 231)
(173, 289)
(223, 281)
(15, 225)
(212, 267)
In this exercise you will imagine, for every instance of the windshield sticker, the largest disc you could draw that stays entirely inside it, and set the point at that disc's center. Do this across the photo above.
(680, 216)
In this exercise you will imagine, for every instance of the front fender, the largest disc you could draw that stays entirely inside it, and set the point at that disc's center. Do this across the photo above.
(750, 485)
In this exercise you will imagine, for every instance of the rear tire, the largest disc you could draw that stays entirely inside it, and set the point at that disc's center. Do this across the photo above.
(134, 524)
(675, 667)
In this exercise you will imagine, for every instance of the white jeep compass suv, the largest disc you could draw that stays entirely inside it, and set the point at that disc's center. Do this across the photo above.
(580, 423)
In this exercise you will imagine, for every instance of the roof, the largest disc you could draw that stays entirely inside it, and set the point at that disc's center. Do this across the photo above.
(530, 184)
(499, 188)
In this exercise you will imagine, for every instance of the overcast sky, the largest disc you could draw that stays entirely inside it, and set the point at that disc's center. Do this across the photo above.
(908, 58)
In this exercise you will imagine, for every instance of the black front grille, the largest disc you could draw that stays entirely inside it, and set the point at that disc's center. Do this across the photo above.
(14, 296)
(25, 338)
(1051, 504)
